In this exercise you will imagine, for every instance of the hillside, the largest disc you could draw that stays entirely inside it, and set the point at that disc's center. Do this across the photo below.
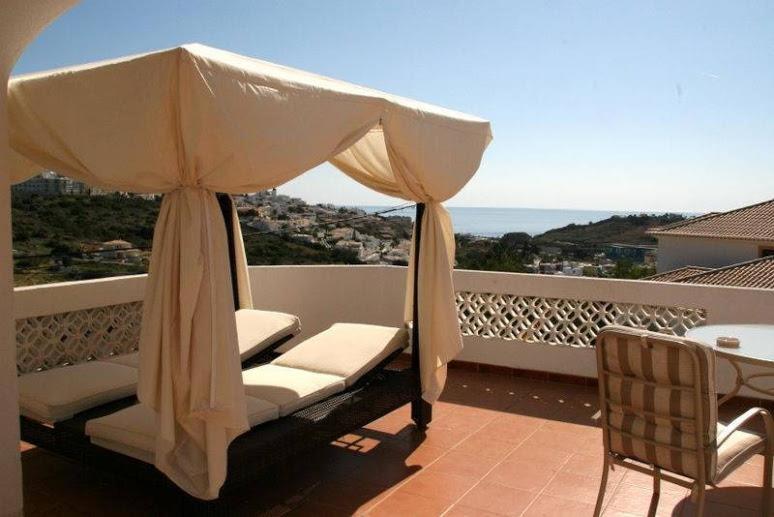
(508, 253)
(628, 229)
(55, 237)
(44, 223)
(583, 245)
(50, 234)
(271, 249)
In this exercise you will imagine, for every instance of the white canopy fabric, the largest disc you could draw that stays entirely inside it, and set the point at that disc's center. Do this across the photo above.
(192, 121)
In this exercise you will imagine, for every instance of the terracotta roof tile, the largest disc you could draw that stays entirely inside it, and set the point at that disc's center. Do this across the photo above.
(677, 274)
(754, 222)
(755, 273)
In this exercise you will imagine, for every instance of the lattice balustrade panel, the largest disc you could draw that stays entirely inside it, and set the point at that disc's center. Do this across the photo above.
(558, 321)
(44, 342)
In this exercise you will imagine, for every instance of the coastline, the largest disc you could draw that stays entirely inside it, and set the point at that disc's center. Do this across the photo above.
(496, 222)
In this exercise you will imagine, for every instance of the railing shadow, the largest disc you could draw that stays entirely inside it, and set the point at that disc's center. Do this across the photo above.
(531, 397)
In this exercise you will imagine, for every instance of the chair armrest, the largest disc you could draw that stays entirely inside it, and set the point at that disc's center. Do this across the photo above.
(768, 424)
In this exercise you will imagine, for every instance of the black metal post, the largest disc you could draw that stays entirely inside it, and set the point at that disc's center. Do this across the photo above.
(226, 204)
(421, 410)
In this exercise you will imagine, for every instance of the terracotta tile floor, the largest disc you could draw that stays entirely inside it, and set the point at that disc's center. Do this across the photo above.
(498, 445)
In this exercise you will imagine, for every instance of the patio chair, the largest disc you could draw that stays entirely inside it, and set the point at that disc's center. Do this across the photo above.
(658, 410)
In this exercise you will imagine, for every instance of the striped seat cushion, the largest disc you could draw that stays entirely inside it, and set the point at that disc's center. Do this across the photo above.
(740, 446)
(652, 394)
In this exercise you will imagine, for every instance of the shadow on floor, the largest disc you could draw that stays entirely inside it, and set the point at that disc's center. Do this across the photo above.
(369, 463)
(724, 501)
(487, 432)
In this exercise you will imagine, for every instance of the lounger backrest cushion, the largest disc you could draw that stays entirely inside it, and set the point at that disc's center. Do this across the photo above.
(132, 430)
(290, 388)
(256, 330)
(259, 329)
(347, 350)
(58, 394)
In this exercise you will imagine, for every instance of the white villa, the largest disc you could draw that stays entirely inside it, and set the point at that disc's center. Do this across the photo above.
(718, 239)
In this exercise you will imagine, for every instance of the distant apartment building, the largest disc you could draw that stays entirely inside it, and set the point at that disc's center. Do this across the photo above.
(717, 240)
(52, 184)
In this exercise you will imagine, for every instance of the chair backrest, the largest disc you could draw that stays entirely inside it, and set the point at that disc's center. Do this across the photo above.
(658, 400)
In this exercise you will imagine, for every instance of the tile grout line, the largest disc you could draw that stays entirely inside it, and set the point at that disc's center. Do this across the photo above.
(503, 410)
(542, 490)
(396, 487)
(456, 501)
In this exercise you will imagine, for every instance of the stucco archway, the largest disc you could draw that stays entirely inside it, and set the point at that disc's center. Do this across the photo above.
(20, 22)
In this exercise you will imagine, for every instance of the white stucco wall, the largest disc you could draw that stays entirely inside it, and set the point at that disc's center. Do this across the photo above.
(324, 295)
(20, 22)
(676, 252)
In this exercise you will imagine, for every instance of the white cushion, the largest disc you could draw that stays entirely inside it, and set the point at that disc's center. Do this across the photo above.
(134, 427)
(289, 388)
(256, 330)
(58, 394)
(132, 359)
(126, 450)
(132, 431)
(259, 329)
(346, 349)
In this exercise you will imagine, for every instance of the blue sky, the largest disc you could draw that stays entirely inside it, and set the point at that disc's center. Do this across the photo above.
(600, 105)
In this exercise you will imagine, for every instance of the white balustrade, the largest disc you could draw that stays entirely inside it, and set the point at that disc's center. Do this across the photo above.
(524, 321)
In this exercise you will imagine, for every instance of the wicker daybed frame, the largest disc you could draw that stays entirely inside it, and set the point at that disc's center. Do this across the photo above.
(379, 392)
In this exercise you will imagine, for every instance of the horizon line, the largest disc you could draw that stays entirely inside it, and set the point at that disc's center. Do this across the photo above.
(627, 212)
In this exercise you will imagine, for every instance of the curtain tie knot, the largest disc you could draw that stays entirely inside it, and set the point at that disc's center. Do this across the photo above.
(192, 186)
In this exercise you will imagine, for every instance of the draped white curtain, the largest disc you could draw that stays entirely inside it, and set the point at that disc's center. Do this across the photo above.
(413, 165)
(192, 121)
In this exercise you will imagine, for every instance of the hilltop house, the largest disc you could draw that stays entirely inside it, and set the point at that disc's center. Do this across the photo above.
(718, 239)
(119, 249)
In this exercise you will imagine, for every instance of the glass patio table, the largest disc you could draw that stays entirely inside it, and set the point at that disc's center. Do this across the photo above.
(756, 347)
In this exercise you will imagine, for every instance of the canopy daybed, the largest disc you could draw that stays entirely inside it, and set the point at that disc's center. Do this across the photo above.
(195, 124)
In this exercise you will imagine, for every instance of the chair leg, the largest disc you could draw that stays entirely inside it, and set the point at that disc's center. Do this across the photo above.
(656, 492)
(697, 496)
(767, 492)
(602, 486)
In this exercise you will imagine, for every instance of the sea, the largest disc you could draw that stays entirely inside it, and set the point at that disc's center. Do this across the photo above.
(494, 222)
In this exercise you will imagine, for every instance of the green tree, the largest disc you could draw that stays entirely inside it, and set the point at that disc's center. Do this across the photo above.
(625, 268)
